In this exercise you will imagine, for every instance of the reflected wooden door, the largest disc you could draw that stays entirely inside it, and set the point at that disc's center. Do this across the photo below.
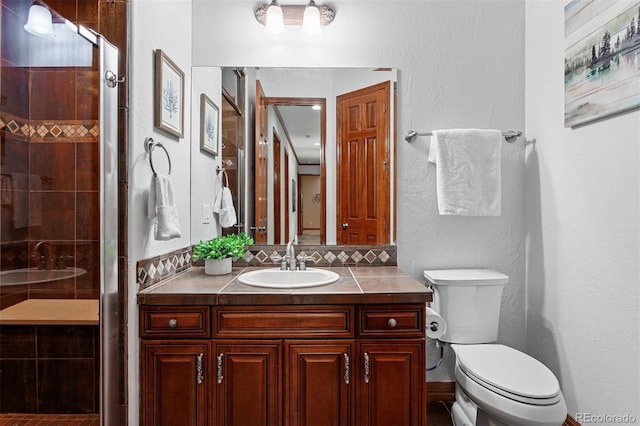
(363, 166)
(277, 189)
(286, 196)
(261, 176)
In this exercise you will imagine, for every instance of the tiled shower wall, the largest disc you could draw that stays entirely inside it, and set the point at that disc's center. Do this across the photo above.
(49, 164)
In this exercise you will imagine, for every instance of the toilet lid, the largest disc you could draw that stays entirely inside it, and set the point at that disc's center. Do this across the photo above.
(509, 372)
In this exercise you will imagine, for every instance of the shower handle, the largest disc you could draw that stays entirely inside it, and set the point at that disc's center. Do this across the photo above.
(112, 79)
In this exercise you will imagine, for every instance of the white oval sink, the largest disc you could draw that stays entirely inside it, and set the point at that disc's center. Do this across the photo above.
(277, 278)
(35, 275)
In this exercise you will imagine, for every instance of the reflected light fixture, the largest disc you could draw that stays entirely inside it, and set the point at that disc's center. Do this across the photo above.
(310, 16)
(275, 19)
(39, 21)
(311, 19)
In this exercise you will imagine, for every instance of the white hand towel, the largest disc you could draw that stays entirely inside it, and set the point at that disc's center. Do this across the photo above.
(225, 209)
(468, 178)
(162, 208)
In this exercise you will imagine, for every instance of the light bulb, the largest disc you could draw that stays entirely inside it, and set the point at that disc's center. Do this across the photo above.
(275, 19)
(39, 22)
(311, 19)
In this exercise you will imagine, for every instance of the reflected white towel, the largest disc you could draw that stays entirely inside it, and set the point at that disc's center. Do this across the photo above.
(162, 208)
(225, 209)
(467, 171)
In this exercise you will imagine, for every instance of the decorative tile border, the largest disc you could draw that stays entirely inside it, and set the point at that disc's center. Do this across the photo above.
(153, 270)
(323, 256)
(50, 130)
(156, 269)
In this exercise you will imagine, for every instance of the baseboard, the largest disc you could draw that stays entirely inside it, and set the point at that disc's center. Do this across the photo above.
(570, 422)
(441, 391)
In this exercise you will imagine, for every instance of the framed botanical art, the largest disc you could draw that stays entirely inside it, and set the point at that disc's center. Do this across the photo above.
(209, 125)
(169, 95)
(602, 47)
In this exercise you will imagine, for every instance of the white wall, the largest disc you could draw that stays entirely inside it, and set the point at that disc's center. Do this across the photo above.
(154, 25)
(461, 64)
(582, 220)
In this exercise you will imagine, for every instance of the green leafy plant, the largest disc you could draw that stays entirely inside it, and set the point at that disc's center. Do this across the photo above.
(231, 245)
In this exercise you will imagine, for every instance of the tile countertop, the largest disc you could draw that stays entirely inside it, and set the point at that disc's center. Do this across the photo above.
(375, 284)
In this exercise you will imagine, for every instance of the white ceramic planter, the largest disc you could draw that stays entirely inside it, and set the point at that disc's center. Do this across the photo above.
(217, 266)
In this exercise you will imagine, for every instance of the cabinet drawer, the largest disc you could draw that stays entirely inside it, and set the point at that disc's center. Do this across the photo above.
(174, 321)
(284, 321)
(392, 321)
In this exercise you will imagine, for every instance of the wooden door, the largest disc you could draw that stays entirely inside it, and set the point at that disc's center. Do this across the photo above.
(287, 217)
(261, 167)
(363, 190)
(391, 382)
(277, 189)
(248, 383)
(174, 383)
(319, 388)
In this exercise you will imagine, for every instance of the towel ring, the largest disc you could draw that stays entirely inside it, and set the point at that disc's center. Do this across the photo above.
(150, 145)
(224, 173)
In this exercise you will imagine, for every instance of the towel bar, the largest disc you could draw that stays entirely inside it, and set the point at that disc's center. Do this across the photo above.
(150, 145)
(510, 136)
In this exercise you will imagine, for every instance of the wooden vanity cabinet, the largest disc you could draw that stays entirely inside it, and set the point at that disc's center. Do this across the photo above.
(286, 365)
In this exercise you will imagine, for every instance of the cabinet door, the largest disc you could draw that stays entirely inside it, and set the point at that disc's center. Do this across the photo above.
(391, 382)
(248, 381)
(319, 385)
(173, 384)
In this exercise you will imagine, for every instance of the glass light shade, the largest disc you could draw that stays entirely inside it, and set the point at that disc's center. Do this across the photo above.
(275, 19)
(39, 22)
(311, 19)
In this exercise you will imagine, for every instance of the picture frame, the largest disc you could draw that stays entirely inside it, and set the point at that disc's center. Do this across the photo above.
(600, 76)
(209, 126)
(168, 95)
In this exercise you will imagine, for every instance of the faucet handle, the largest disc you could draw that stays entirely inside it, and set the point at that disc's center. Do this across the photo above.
(282, 260)
(302, 259)
(60, 262)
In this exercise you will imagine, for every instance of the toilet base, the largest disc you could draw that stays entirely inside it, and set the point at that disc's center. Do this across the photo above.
(464, 412)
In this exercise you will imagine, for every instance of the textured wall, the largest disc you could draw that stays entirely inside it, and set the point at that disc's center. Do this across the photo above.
(582, 189)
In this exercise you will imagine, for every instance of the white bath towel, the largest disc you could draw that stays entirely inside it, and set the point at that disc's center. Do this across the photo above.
(162, 208)
(467, 171)
(223, 205)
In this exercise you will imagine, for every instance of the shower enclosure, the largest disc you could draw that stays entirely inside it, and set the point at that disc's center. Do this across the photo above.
(58, 235)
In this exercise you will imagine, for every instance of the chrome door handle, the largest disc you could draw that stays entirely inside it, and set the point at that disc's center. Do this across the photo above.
(345, 225)
(258, 228)
(199, 372)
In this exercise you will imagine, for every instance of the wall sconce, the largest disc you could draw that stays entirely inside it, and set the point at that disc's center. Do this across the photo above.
(312, 17)
(39, 21)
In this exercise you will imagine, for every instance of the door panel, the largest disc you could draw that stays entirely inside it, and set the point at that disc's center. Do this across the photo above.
(248, 380)
(363, 166)
(319, 386)
(261, 168)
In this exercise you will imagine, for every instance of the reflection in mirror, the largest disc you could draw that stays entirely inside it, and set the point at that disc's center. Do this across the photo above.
(318, 151)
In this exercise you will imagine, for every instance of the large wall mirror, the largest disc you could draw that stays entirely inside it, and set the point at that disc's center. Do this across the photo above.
(308, 152)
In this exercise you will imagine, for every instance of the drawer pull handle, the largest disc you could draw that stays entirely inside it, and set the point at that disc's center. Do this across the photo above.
(347, 369)
(392, 323)
(199, 369)
(173, 323)
(367, 367)
(219, 375)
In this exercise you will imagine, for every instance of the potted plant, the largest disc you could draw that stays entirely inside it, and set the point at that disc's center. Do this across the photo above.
(219, 252)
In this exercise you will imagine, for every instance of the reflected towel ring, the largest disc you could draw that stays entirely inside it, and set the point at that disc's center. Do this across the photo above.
(224, 173)
(150, 145)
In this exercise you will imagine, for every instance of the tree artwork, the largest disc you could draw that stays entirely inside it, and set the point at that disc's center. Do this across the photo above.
(170, 98)
(210, 127)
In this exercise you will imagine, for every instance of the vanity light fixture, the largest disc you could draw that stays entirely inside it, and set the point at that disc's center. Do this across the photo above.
(39, 21)
(310, 16)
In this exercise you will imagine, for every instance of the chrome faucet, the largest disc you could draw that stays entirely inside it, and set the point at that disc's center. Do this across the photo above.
(44, 251)
(290, 254)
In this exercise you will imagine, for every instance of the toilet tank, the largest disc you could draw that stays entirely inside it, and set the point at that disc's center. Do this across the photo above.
(469, 302)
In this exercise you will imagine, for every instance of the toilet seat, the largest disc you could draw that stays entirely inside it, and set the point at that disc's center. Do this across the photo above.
(509, 373)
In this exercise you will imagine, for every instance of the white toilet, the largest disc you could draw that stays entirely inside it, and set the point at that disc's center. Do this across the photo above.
(495, 384)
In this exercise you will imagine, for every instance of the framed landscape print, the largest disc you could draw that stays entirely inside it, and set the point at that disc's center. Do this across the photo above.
(602, 51)
(209, 125)
(169, 95)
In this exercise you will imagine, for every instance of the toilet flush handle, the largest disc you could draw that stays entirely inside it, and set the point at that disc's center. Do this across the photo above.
(433, 326)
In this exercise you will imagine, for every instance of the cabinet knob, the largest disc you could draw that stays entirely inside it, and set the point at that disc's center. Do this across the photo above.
(392, 322)
(173, 323)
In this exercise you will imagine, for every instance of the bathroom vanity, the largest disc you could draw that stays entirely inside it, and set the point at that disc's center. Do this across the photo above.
(215, 351)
